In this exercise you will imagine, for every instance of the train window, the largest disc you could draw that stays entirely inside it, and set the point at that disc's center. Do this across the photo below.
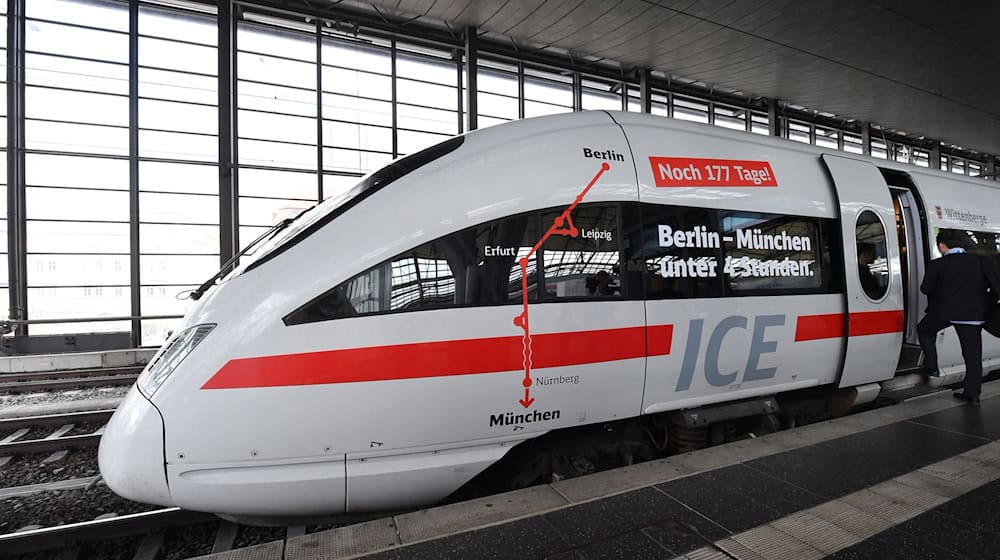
(680, 252)
(475, 266)
(585, 265)
(767, 252)
(873, 262)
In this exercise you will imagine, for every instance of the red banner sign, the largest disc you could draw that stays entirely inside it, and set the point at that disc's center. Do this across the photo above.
(702, 172)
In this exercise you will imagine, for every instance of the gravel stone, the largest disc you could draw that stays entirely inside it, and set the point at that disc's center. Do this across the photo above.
(29, 469)
(59, 508)
(67, 395)
(118, 549)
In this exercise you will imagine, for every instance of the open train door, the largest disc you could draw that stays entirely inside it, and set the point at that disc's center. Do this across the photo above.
(873, 324)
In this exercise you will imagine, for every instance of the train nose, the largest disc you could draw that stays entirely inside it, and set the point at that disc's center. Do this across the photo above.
(131, 452)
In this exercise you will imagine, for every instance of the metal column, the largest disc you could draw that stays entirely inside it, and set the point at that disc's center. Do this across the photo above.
(319, 111)
(866, 138)
(17, 258)
(228, 231)
(577, 92)
(135, 276)
(991, 168)
(645, 91)
(471, 79)
(934, 157)
(773, 118)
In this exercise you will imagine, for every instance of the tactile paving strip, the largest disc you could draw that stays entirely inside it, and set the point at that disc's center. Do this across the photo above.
(346, 541)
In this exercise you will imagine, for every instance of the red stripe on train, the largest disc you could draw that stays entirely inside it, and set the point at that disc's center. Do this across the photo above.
(442, 358)
(831, 325)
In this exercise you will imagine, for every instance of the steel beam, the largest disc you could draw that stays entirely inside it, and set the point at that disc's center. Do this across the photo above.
(471, 78)
(577, 92)
(866, 138)
(135, 270)
(228, 193)
(773, 118)
(319, 110)
(645, 91)
(934, 157)
(17, 257)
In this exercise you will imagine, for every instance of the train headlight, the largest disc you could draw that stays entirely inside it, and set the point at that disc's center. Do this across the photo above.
(171, 356)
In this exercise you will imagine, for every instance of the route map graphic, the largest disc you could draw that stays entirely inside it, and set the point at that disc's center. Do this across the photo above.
(561, 225)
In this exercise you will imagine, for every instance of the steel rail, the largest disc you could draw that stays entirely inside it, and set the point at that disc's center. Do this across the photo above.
(55, 419)
(50, 538)
(49, 445)
(70, 373)
(56, 384)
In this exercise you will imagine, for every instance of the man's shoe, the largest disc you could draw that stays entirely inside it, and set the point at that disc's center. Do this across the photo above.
(962, 396)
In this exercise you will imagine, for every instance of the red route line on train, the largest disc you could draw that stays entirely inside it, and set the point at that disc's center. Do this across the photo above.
(561, 225)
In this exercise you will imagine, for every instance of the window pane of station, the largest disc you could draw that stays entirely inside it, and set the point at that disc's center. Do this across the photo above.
(271, 126)
(155, 176)
(177, 86)
(77, 237)
(357, 83)
(880, 149)
(47, 70)
(798, 132)
(258, 39)
(356, 55)
(335, 159)
(173, 208)
(54, 38)
(770, 252)
(357, 137)
(91, 13)
(411, 142)
(548, 87)
(957, 166)
(852, 144)
(485, 122)
(79, 303)
(272, 98)
(50, 170)
(428, 95)
(169, 24)
(335, 185)
(179, 239)
(278, 184)
(177, 269)
(732, 118)
(826, 137)
(71, 137)
(438, 69)
(585, 265)
(178, 117)
(78, 270)
(759, 124)
(269, 211)
(537, 109)
(921, 158)
(157, 300)
(601, 95)
(178, 145)
(346, 108)
(687, 109)
(174, 55)
(44, 203)
(425, 119)
(276, 154)
(497, 81)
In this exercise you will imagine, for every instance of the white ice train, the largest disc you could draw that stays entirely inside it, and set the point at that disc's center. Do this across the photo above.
(568, 283)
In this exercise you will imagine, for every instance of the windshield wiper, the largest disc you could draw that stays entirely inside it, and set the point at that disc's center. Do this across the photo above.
(196, 293)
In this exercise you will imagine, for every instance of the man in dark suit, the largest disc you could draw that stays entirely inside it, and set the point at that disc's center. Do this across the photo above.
(955, 286)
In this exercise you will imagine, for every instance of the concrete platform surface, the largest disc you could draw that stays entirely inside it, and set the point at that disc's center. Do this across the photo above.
(843, 489)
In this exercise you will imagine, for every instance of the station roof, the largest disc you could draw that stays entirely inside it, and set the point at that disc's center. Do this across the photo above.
(922, 67)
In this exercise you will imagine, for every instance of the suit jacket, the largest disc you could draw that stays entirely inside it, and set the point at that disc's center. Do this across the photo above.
(956, 286)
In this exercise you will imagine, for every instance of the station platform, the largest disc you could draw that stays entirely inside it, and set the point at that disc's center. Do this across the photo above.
(916, 480)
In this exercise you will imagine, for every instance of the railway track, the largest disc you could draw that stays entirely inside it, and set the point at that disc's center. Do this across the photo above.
(67, 379)
(58, 440)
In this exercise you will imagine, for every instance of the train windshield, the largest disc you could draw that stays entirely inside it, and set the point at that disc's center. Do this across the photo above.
(325, 212)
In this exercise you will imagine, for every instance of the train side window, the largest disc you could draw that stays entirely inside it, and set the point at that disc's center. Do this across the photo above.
(585, 265)
(979, 242)
(680, 252)
(475, 266)
(769, 252)
(873, 262)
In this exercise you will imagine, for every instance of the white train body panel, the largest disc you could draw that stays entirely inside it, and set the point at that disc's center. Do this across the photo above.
(260, 420)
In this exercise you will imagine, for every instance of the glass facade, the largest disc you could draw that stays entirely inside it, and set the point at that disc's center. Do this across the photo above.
(124, 193)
